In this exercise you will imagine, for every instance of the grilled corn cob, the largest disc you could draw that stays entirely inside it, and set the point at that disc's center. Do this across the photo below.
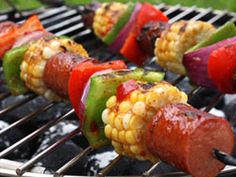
(106, 16)
(35, 59)
(125, 121)
(176, 40)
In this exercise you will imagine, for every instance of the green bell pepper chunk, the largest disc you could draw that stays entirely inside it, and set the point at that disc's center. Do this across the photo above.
(226, 31)
(112, 34)
(101, 88)
(11, 69)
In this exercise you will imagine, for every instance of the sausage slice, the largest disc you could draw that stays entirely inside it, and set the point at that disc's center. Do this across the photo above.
(185, 137)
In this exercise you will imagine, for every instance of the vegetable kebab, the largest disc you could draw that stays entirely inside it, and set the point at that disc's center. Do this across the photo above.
(59, 68)
(183, 47)
(147, 119)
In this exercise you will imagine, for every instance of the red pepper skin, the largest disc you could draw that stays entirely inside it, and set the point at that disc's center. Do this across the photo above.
(80, 75)
(222, 68)
(124, 89)
(130, 48)
(10, 36)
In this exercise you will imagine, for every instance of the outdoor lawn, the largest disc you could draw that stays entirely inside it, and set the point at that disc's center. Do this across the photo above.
(216, 4)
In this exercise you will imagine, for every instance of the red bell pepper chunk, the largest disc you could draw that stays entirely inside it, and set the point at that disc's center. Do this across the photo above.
(10, 36)
(222, 68)
(80, 75)
(149, 13)
(130, 48)
(124, 89)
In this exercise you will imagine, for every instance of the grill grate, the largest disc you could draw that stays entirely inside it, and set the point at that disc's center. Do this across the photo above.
(67, 21)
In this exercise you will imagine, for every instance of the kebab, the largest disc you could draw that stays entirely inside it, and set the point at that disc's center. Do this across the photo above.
(153, 121)
(93, 126)
(58, 69)
(183, 47)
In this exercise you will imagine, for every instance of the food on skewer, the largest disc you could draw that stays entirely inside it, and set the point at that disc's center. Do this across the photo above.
(36, 57)
(12, 34)
(107, 16)
(186, 138)
(58, 68)
(119, 36)
(153, 121)
(147, 103)
(174, 42)
(148, 35)
(93, 97)
(128, 113)
(221, 68)
(197, 60)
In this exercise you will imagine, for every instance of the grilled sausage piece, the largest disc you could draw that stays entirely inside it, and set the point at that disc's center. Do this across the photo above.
(148, 35)
(185, 137)
(57, 71)
(89, 13)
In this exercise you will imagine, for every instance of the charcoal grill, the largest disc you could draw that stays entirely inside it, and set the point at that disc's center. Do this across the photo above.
(65, 20)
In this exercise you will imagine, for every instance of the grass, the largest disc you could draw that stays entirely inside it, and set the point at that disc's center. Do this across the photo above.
(215, 4)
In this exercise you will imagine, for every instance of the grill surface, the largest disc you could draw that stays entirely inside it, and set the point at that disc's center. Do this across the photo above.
(67, 21)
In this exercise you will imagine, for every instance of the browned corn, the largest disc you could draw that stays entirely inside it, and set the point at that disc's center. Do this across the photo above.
(35, 59)
(106, 16)
(125, 121)
(176, 40)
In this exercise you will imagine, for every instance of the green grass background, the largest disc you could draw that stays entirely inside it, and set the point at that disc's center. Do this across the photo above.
(229, 5)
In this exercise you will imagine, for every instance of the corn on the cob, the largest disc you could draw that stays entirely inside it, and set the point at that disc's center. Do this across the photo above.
(176, 40)
(126, 120)
(106, 16)
(35, 59)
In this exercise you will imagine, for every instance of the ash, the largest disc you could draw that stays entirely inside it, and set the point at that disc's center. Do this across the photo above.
(100, 160)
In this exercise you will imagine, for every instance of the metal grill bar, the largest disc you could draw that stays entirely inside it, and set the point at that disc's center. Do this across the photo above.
(50, 149)
(64, 23)
(148, 172)
(213, 103)
(201, 14)
(109, 167)
(26, 118)
(217, 17)
(17, 104)
(172, 9)
(34, 134)
(183, 14)
(72, 162)
(59, 17)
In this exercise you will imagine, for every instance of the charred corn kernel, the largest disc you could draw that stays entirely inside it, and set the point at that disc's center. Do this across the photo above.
(118, 124)
(106, 16)
(118, 145)
(175, 41)
(140, 97)
(136, 123)
(130, 136)
(111, 102)
(122, 139)
(36, 57)
(125, 106)
(131, 131)
(135, 149)
(114, 134)
(126, 118)
(139, 108)
(133, 97)
(105, 114)
(108, 131)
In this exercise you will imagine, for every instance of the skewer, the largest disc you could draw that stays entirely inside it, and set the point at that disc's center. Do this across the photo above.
(224, 157)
